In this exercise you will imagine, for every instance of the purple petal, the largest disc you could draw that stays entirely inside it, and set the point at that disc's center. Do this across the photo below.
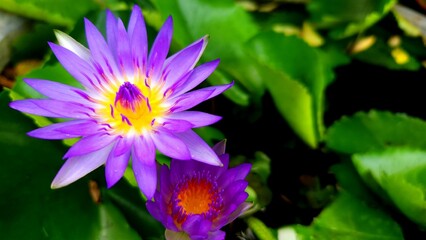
(166, 186)
(144, 166)
(124, 52)
(159, 50)
(240, 210)
(111, 31)
(154, 209)
(233, 174)
(189, 100)
(198, 75)
(235, 188)
(233, 202)
(170, 145)
(196, 225)
(77, 167)
(59, 91)
(123, 145)
(220, 148)
(82, 128)
(28, 106)
(53, 131)
(138, 38)
(199, 149)
(217, 235)
(76, 66)
(182, 62)
(89, 144)
(179, 168)
(115, 166)
(177, 125)
(218, 89)
(197, 119)
(51, 108)
(100, 51)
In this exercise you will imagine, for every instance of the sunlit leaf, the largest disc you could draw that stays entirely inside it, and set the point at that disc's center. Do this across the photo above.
(398, 175)
(297, 80)
(63, 13)
(375, 130)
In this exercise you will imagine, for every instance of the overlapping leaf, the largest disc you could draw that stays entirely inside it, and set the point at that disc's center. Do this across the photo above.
(398, 175)
(375, 130)
(348, 218)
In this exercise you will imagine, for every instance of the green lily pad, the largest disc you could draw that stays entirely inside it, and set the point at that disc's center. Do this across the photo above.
(297, 89)
(62, 13)
(348, 218)
(375, 130)
(398, 175)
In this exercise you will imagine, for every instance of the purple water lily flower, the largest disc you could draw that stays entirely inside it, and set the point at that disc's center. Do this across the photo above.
(195, 200)
(132, 102)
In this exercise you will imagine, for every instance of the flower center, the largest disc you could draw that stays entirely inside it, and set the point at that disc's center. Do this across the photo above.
(196, 194)
(129, 96)
(132, 108)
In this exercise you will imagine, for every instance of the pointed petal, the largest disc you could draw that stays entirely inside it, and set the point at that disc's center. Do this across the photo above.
(177, 125)
(116, 166)
(76, 66)
(220, 147)
(124, 52)
(59, 91)
(198, 75)
(197, 119)
(199, 149)
(51, 108)
(182, 62)
(103, 59)
(144, 166)
(124, 144)
(111, 31)
(195, 224)
(191, 99)
(82, 128)
(217, 235)
(89, 144)
(170, 145)
(159, 50)
(77, 167)
(71, 44)
(28, 106)
(53, 131)
(154, 209)
(233, 174)
(138, 38)
(239, 211)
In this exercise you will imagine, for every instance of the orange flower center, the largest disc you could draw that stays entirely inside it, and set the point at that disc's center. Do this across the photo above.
(195, 196)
